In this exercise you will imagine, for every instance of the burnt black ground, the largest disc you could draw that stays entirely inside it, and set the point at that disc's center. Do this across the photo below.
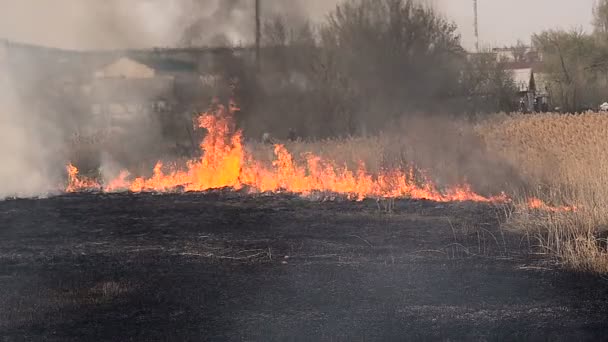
(228, 266)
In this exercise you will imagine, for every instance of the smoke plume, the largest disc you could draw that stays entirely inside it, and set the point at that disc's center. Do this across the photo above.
(26, 145)
(116, 24)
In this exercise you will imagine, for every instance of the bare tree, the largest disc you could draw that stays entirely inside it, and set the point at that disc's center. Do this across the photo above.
(519, 51)
(568, 58)
(600, 17)
(399, 54)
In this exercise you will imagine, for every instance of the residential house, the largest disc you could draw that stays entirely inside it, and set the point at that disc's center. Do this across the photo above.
(532, 89)
(127, 88)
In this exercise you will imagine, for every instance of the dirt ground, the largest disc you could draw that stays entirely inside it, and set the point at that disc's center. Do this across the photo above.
(229, 266)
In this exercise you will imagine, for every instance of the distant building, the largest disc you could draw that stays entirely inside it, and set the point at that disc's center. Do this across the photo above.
(127, 89)
(517, 54)
(532, 89)
(525, 64)
(125, 68)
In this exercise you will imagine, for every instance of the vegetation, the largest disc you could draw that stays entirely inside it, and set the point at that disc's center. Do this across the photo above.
(577, 63)
(557, 158)
(568, 60)
(388, 63)
(563, 160)
(370, 64)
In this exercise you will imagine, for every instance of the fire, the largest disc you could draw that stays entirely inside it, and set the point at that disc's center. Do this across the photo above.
(536, 203)
(120, 183)
(226, 164)
(78, 183)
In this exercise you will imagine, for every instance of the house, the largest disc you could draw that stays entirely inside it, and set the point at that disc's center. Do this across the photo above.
(125, 68)
(517, 54)
(532, 89)
(128, 89)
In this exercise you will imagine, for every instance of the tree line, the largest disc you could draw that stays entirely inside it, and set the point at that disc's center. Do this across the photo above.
(576, 63)
(368, 64)
(371, 63)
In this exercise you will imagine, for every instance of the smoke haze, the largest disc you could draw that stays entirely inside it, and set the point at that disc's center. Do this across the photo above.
(111, 24)
(32, 138)
(28, 147)
(115, 24)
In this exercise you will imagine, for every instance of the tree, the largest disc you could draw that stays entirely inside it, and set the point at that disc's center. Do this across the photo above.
(569, 59)
(370, 63)
(487, 84)
(600, 17)
(398, 55)
(519, 51)
(288, 46)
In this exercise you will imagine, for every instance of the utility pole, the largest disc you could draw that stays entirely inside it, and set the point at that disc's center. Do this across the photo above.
(258, 34)
(476, 26)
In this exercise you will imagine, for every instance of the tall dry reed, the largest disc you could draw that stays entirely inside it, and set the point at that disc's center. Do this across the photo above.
(564, 161)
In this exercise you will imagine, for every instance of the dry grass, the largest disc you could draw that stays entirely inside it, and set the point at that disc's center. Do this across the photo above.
(449, 152)
(561, 159)
(564, 159)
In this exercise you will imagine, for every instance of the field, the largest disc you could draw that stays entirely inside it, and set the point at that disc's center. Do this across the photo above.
(564, 161)
(560, 159)
(236, 265)
(232, 266)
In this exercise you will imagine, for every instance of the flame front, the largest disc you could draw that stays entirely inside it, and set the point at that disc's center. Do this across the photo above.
(537, 203)
(225, 164)
(78, 183)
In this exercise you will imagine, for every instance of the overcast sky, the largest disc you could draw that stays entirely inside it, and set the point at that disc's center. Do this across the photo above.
(88, 24)
(503, 22)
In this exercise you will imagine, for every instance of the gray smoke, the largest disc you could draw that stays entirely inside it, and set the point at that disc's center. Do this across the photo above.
(28, 144)
(117, 24)
(232, 21)
(37, 120)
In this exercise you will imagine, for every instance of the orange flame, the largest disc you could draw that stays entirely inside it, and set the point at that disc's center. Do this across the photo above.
(78, 183)
(120, 183)
(536, 203)
(225, 164)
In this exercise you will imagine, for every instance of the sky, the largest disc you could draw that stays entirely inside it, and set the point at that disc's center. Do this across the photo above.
(503, 22)
(91, 24)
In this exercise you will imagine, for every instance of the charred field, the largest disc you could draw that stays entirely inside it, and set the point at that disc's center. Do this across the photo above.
(225, 265)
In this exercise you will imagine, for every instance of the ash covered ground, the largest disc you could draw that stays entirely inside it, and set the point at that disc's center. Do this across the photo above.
(230, 266)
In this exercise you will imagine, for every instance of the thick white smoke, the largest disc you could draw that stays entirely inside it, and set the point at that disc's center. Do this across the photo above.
(24, 147)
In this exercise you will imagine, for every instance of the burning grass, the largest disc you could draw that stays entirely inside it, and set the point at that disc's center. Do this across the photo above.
(564, 162)
(553, 168)
(227, 163)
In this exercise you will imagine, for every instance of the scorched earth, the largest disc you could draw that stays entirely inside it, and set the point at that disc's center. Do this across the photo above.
(225, 265)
